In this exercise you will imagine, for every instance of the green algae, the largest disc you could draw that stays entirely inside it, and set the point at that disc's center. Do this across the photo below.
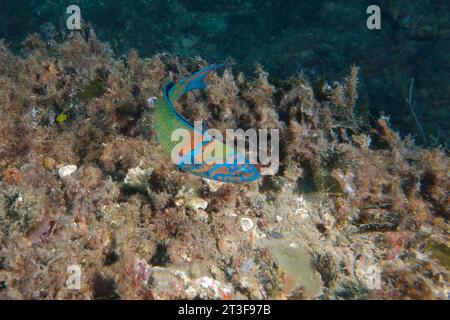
(61, 118)
(96, 87)
(93, 89)
(325, 182)
(441, 252)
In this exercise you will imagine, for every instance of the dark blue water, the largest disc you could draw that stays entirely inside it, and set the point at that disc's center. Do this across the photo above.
(320, 38)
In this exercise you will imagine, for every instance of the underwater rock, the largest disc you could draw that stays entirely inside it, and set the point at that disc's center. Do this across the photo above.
(171, 283)
(188, 197)
(197, 204)
(227, 245)
(42, 231)
(21, 209)
(67, 171)
(295, 264)
(136, 178)
(202, 215)
(213, 185)
(441, 252)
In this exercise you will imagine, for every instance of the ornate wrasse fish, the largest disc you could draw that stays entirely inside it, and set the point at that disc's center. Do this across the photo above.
(232, 167)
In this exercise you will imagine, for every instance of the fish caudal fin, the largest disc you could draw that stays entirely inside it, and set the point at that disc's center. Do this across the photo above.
(197, 80)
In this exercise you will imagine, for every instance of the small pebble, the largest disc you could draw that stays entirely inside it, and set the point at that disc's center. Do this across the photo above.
(66, 171)
(425, 230)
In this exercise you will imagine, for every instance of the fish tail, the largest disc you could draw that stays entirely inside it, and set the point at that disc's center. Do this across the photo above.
(197, 80)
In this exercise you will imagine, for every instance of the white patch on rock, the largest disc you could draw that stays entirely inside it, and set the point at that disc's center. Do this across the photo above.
(246, 224)
(151, 102)
(137, 177)
(188, 197)
(302, 206)
(66, 171)
(347, 179)
(213, 185)
(197, 204)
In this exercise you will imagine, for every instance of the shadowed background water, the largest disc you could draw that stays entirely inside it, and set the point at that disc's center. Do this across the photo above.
(320, 38)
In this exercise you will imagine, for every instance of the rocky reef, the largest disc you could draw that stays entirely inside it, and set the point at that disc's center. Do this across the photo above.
(355, 212)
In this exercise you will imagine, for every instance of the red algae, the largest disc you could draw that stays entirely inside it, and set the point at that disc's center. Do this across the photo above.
(12, 176)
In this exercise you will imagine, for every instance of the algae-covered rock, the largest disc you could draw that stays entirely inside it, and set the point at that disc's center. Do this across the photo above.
(188, 196)
(295, 263)
(20, 209)
(95, 87)
(441, 252)
(213, 185)
(136, 178)
(67, 171)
